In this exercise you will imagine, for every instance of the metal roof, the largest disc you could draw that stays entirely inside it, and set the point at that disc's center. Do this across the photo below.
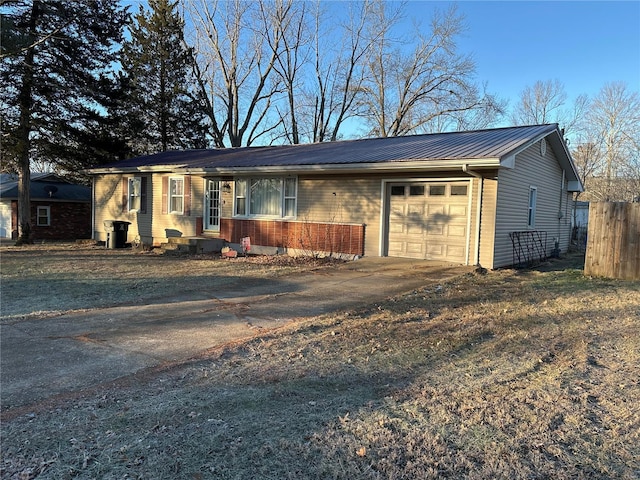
(45, 186)
(491, 148)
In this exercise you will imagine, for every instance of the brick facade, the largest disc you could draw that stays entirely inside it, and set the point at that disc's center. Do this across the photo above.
(68, 220)
(313, 237)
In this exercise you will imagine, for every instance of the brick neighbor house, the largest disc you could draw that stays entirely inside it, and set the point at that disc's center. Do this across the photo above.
(60, 210)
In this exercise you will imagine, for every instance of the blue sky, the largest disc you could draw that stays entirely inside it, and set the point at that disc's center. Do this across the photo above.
(582, 44)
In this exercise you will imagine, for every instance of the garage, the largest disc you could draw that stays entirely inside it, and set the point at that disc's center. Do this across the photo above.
(5, 219)
(429, 220)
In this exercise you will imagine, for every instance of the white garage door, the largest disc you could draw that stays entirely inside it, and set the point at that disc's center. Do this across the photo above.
(5, 219)
(429, 220)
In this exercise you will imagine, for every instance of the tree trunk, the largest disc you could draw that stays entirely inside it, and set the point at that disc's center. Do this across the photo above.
(23, 134)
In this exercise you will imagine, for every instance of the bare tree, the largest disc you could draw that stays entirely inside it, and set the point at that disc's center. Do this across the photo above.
(290, 62)
(331, 97)
(410, 86)
(237, 45)
(609, 152)
(547, 102)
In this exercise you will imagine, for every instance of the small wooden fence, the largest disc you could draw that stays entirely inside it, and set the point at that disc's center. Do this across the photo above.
(613, 241)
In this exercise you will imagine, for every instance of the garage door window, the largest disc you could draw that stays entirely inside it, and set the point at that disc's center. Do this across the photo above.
(459, 190)
(416, 190)
(397, 190)
(436, 190)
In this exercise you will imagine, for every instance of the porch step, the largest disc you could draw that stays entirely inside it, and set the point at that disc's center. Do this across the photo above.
(193, 245)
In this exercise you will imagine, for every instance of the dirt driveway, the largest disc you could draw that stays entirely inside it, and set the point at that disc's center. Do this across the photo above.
(45, 357)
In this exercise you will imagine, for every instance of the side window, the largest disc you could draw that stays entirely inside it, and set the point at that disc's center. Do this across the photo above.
(135, 191)
(176, 195)
(289, 197)
(43, 217)
(241, 197)
(533, 194)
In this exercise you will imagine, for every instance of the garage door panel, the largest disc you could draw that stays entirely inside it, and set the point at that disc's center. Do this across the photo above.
(454, 251)
(415, 248)
(396, 227)
(433, 210)
(457, 231)
(435, 229)
(435, 251)
(458, 211)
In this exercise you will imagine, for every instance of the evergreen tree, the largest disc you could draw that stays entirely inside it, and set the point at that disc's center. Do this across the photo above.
(56, 75)
(164, 112)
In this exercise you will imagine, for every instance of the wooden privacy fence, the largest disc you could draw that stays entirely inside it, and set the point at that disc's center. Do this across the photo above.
(613, 240)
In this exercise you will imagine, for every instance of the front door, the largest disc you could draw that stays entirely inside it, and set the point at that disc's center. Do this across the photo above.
(212, 205)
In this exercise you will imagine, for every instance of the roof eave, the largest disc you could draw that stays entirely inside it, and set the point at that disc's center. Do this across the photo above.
(377, 167)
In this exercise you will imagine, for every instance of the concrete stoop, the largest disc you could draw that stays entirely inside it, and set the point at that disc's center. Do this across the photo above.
(192, 245)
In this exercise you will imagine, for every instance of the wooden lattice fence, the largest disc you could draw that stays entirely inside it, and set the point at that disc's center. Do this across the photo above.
(613, 240)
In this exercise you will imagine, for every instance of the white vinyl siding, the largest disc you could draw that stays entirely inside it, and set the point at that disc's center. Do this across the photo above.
(512, 210)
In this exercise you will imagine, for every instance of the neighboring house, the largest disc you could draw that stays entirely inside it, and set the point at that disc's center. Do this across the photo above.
(455, 197)
(580, 214)
(60, 210)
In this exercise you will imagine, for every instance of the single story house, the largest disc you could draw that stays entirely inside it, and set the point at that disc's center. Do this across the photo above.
(476, 197)
(60, 210)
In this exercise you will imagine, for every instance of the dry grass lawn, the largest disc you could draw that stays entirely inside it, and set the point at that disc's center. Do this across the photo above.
(509, 375)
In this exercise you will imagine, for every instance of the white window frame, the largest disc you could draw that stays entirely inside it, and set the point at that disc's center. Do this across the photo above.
(284, 198)
(531, 211)
(171, 196)
(46, 216)
(132, 196)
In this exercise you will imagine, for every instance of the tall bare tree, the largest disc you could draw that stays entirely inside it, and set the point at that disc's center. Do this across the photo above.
(613, 121)
(237, 44)
(338, 72)
(409, 85)
(547, 102)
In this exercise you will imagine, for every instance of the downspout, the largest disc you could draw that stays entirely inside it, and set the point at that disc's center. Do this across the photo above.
(465, 169)
(556, 249)
(93, 207)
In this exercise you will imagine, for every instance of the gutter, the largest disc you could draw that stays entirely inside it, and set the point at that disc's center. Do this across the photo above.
(465, 169)
(421, 165)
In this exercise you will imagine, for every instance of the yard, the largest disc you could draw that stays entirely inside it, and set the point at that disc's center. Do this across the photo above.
(512, 374)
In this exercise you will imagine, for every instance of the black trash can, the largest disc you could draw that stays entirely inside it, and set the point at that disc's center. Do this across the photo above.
(116, 233)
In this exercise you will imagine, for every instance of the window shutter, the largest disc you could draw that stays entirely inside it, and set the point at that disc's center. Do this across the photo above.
(125, 194)
(187, 195)
(165, 194)
(143, 194)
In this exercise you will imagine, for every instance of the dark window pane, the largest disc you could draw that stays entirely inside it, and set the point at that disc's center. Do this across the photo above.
(397, 190)
(416, 190)
(436, 190)
(460, 190)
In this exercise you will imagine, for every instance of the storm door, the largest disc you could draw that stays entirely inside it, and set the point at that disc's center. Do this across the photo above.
(212, 205)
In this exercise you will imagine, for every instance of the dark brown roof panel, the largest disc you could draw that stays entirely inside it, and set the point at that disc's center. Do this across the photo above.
(478, 144)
